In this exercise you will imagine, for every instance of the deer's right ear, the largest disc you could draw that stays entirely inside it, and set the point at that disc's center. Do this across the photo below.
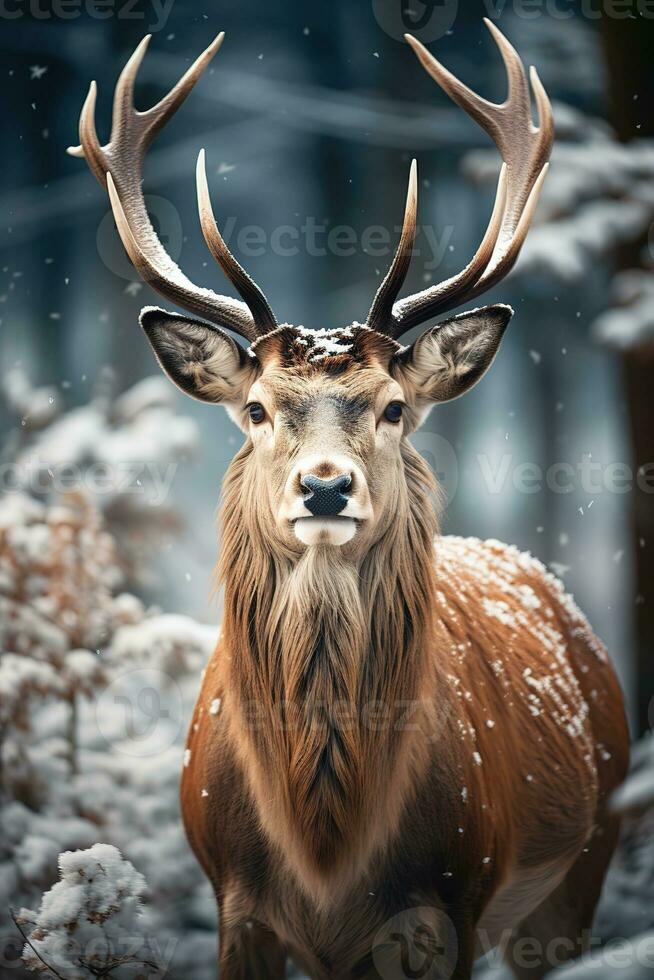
(202, 360)
(447, 360)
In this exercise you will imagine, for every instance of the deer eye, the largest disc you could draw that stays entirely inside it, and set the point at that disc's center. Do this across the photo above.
(257, 412)
(393, 412)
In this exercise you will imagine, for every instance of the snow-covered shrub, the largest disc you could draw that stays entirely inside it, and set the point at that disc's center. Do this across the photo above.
(175, 644)
(95, 690)
(58, 574)
(635, 797)
(84, 669)
(632, 960)
(627, 905)
(629, 323)
(88, 922)
(121, 451)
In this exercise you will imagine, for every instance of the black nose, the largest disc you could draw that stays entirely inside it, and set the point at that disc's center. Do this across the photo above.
(327, 496)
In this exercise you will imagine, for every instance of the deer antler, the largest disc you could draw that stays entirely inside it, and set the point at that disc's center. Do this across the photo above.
(525, 150)
(117, 166)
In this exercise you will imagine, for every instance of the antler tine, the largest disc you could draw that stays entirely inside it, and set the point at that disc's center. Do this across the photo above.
(123, 109)
(481, 110)
(90, 144)
(117, 166)
(138, 258)
(545, 116)
(178, 289)
(171, 102)
(440, 296)
(525, 149)
(382, 305)
(507, 259)
(90, 148)
(385, 317)
(246, 286)
(517, 99)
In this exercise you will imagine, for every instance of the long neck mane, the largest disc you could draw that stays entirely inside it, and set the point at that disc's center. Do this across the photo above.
(323, 657)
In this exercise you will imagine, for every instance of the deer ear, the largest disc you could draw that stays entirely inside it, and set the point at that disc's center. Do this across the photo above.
(202, 360)
(447, 360)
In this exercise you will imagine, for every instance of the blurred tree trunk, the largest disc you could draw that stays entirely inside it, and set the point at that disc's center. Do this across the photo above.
(628, 46)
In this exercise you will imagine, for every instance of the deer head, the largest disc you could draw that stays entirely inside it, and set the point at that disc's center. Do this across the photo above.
(326, 412)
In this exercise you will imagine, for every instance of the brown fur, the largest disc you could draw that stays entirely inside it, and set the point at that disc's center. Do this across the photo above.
(399, 727)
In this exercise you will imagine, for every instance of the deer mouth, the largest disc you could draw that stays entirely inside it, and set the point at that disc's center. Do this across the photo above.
(336, 530)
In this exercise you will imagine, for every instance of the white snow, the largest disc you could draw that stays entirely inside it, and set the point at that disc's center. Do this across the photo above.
(87, 918)
(325, 343)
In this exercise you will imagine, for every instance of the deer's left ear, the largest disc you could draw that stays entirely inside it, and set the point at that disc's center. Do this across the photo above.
(447, 360)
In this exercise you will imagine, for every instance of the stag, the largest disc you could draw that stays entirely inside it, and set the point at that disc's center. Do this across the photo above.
(404, 743)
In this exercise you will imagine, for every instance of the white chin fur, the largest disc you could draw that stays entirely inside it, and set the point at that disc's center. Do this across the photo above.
(325, 530)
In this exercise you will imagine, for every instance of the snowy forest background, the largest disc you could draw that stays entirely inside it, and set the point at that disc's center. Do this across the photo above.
(110, 479)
